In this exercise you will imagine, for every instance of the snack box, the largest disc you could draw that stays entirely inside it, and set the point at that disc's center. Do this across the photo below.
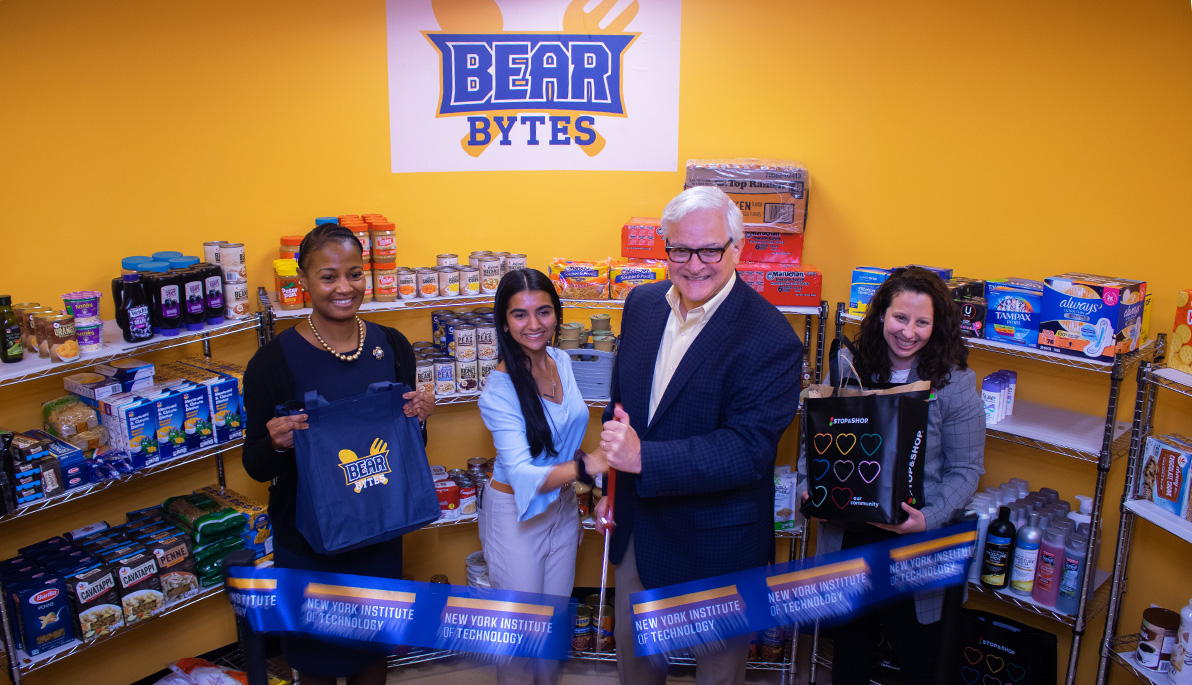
(1146, 318)
(784, 285)
(1092, 317)
(90, 386)
(126, 369)
(1166, 472)
(865, 282)
(771, 193)
(41, 615)
(71, 460)
(223, 398)
(1015, 306)
(26, 448)
(1179, 355)
(624, 277)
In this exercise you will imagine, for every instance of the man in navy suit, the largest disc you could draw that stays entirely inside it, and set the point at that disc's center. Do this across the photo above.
(705, 383)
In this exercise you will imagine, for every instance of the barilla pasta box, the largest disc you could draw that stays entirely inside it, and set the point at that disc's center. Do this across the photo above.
(641, 237)
(1013, 310)
(41, 613)
(784, 285)
(1166, 472)
(771, 193)
(866, 280)
(1092, 317)
(1179, 355)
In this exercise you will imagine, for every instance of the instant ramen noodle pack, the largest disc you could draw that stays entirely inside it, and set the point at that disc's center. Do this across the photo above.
(580, 280)
(625, 276)
(1092, 317)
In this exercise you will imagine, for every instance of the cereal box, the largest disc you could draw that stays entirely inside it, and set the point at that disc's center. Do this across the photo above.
(1179, 355)
(771, 193)
(1089, 316)
(784, 285)
(866, 280)
(624, 277)
(1014, 307)
(1166, 471)
(580, 280)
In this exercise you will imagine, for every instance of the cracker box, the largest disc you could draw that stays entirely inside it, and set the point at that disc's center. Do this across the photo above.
(1092, 317)
(866, 280)
(770, 193)
(1179, 355)
(1166, 471)
(1015, 306)
(784, 285)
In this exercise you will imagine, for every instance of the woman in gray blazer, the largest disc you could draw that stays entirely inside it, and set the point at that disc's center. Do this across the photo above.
(910, 333)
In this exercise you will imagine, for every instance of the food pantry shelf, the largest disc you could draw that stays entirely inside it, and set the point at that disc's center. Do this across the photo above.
(30, 664)
(114, 347)
(1128, 660)
(682, 661)
(1160, 517)
(1097, 600)
(1176, 381)
(1129, 361)
(72, 495)
(473, 397)
(1061, 431)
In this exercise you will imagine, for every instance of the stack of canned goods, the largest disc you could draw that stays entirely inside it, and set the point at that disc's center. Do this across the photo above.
(448, 278)
(457, 495)
(229, 257)
(461, 354)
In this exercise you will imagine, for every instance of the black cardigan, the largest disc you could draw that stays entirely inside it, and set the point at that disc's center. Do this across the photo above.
(268, 382)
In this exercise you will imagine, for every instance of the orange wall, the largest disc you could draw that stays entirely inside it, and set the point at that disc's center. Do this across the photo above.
(1014, 138)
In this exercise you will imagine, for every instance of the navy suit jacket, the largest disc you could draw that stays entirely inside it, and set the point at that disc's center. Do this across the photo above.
(703, 504)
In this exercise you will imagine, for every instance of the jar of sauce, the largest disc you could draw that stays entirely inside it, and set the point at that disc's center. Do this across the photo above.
(165, 297)
(212, 292)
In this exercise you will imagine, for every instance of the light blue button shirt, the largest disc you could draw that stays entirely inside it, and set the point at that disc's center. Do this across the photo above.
(515, 465)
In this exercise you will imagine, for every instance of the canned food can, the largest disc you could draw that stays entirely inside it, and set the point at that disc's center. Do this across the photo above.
(447, 345)
(515, 261)
(474, 259)
(428, 282)
(469, 280)
(501, 256)
(581, 640)
(235, 301)
(466, 379)
(583, 499)
(483, 311)
(448, 493)
(231, 260)
(437, 317)
(448, 281)
(486, 367)
(446, 259)
(465, 342)
(61, 342)
(211, 251)
(486, 340)
(444, 376)
(467, 495)
(490, 274)
(37, 329)
(407, 284)
(424, 376)
(476, 467)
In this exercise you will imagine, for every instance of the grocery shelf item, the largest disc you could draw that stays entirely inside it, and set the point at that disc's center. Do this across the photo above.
(1166, 474)
(625, 276)
(1092, 317)
(580, 280)
(771, 193)
(232, 261)
(12, 349)
(133, 313)
(865, 282)
(1014, 308)
(790, 285)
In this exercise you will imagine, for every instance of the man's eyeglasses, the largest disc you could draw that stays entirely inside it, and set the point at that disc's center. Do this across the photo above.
(707, 255)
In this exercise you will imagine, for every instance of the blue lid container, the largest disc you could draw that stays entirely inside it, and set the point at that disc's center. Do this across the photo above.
(182, 262)
(155, 265)
(166, 255)
(326, 220)
(133, 263)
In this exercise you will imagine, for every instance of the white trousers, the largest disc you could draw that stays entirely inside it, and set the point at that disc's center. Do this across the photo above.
(537, 555)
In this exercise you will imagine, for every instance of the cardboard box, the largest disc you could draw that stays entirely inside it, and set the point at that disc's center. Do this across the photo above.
(126, 369)
(865, 282)
(643, 238)
(973, 312)
(41, 614)
(1015, 306)
(770, 193)
(1179, 355)
(1166, 472)
(944, 273)
(784, 285)
(1092, 317)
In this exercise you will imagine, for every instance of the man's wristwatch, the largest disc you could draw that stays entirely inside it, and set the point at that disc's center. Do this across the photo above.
(581, 472)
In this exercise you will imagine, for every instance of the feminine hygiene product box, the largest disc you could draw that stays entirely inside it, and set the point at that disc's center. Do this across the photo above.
(1089, 316)
(1014, 307)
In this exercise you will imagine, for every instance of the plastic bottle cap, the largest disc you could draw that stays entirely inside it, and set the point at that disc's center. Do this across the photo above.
(165, 256)
(1086, 504)
(182, 262)
(326, 220)
(295, 240)
(154, 266)
(133, 263)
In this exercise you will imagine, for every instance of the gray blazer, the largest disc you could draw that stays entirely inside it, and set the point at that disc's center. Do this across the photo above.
(955, 461)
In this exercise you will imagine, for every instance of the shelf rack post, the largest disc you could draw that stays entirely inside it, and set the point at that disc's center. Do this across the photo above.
(10, 642)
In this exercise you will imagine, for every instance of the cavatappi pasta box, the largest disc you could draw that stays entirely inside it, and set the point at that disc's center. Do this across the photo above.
(1179, 356)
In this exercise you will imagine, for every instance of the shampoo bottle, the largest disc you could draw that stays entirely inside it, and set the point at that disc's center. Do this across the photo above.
(997, 555)
(1051, 566)
(982, 507)
(1085, 515)
(1181, 656)
(1026, 557)
(1075, 557)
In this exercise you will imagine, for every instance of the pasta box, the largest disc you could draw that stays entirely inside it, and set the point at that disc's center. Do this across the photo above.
(140, 586)
(1092, 317)
(95, 599)
(784, 285)
(41, 613)
(1014, 308)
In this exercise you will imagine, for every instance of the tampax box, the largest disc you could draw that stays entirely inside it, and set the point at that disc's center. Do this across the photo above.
(1166, 471)
(771, 193)
(1179, 356)
(866, 280)
(1014, 308)
(42, 613)
(784, 285)
(1092, 317)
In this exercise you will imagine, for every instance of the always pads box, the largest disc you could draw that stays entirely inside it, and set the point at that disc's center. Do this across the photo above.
(1014, 308)
(771, 193)
(1166, 471)
(865, 455)
(784, 285)
(1091, 317)
(1180, 355)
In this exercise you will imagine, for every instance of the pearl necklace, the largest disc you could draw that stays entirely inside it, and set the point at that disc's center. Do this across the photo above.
(339, 355)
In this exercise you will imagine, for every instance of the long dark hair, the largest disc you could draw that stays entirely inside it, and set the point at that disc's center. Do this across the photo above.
(944, 349)
(517, 364)
(319, 236)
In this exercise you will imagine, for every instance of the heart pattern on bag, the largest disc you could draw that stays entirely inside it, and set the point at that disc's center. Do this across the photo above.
(826, 441)
(815, 465)
(844, 465)
(970, 675)
(841, 497)
(973, 655)
(990, 680)
(1015, 671)
(994, 662)
(871, 439)
(869, 470)
(850, 438)
(821, 495)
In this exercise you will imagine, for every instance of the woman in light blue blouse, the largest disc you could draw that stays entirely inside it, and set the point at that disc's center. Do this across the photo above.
(529, 520)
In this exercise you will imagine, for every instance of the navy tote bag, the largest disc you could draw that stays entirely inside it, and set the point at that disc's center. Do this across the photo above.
(363, 476)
